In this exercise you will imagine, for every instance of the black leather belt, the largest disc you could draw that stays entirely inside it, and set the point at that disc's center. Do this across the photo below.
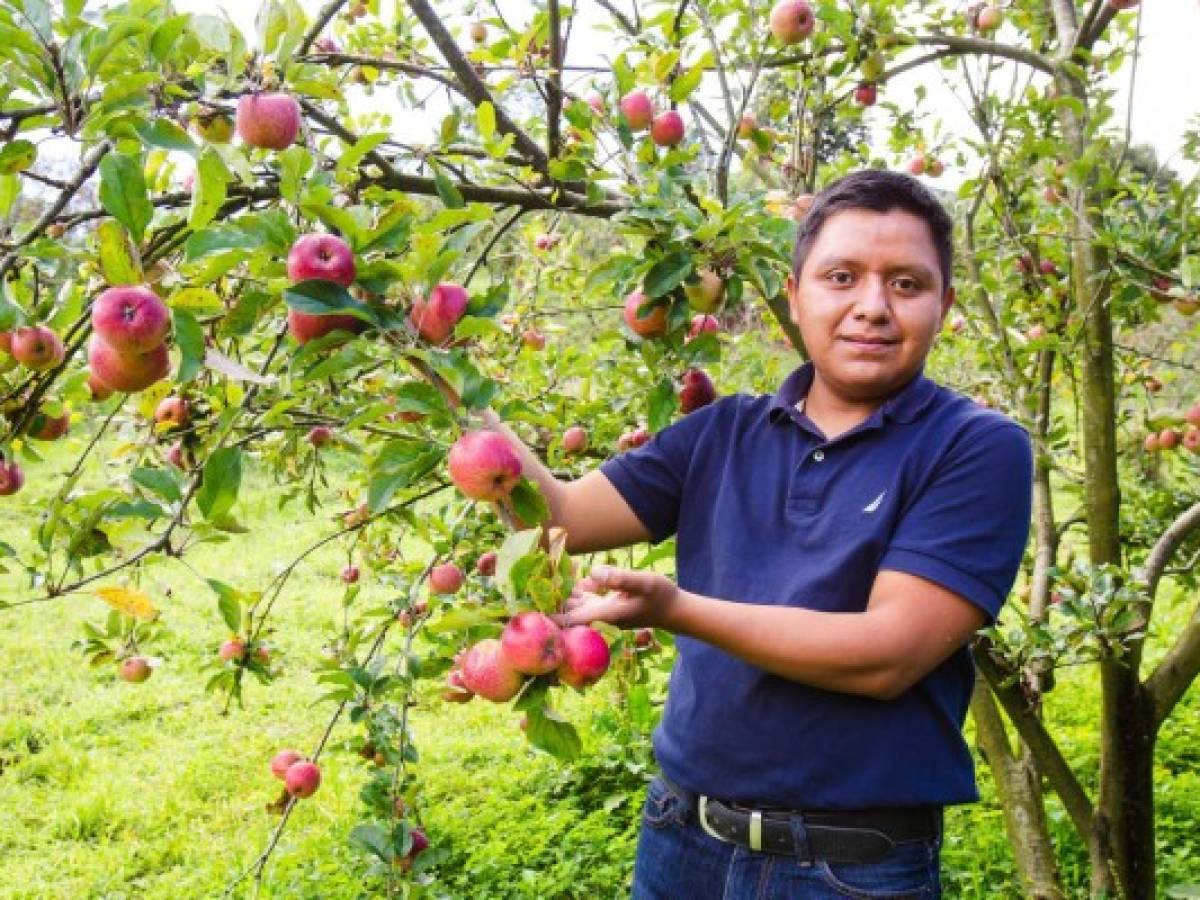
(831, 835)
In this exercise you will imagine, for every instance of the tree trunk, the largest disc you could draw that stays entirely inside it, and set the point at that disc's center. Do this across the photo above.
(1019, 785)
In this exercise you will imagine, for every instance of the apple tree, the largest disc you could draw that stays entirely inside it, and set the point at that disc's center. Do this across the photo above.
(348, 234)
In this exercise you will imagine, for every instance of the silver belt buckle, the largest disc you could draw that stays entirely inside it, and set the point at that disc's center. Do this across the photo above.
(755, 825)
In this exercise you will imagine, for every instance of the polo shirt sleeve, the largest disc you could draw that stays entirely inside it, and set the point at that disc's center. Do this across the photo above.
(651, 478)
(967, 530)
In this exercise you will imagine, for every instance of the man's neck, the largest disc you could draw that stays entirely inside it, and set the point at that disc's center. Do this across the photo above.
(834, 415)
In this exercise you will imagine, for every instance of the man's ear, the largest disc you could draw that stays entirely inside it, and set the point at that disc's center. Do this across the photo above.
(793, 297)
(947, 303)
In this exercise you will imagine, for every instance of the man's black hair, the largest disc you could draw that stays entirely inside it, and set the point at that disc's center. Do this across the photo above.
(879, 191)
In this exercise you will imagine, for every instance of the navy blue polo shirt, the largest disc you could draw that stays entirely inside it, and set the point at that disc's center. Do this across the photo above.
(768, 511)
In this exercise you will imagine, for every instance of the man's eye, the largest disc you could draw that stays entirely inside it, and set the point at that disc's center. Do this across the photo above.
(908, 285)
(840, 277)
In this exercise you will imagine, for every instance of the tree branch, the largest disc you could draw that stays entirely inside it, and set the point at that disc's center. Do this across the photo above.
(324, 14)
(472, 87)
(1039, 741)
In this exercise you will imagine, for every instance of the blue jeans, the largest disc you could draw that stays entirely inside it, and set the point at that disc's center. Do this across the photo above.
(678, 860)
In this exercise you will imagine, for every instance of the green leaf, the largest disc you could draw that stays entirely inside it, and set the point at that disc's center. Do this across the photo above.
(10, 189)
(682, 87)
(323, 298)
(294, 163)
(189, 337)
(364, 145)
(222, 479)
(548, 732)
(166, 134)
(446, 189)
(662, 404)
(158, 481)
(17, 156)
(485, 119)
(516, 547)
(668, 273)
(372, 839)
(123, 193)
(528, 503)
(209, 193)
(399, 464)
(117, 262)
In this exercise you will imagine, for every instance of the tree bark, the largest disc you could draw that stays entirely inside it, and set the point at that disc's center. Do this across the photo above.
(1019, 785)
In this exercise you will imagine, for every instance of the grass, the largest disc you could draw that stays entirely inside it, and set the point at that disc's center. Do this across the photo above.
(114, 790)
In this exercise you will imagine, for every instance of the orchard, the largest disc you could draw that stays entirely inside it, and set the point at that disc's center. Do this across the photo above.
(302, 262)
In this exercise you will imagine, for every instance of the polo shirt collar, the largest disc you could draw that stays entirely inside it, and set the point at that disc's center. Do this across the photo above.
(904, 406)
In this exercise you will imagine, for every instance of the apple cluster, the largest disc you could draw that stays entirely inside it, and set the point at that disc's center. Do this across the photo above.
(300, 776)
(532, 644)
(1169, 438)
(666, 128)
(321, 257)
(128, 351)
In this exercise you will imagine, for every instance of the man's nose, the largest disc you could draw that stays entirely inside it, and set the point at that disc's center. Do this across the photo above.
(872, 301)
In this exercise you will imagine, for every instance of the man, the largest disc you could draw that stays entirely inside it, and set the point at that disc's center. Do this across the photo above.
(838, 545)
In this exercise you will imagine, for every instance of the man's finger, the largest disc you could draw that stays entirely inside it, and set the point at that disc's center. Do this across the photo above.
(613, 579)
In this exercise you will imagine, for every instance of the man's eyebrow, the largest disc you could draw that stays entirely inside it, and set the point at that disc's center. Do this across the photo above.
(918, 269)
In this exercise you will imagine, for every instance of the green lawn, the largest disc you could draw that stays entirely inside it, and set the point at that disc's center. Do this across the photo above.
(115, 790)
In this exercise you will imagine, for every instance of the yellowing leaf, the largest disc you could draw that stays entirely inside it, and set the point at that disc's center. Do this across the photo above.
(130, 601)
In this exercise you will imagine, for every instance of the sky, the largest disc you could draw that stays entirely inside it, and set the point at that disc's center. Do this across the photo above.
(1165, 104)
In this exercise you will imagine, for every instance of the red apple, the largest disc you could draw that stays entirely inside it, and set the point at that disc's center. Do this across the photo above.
(175, 455)
(172, 411)
(37, 347)
(127, 372)
(270, 121)
(791, 21)
(596, 102)
(1191, 439)
(98, 389)
(135, 669)
(484, 466)
(585, 656)
(11, 477)
(486, 671)
(533, 339)
(479, 33)
(305, 327)
(866, 94)
(1025, 264)
(326, 44)
(747, 125)
(232, 649)
(350, 574)
(1050, 194)
(633, 439)
(696, 391)
(650, 324)
(1153, 385)
(702, 323)
(916, 165)
(1168, 439)
(48, 428)
(643, 637)
(1192, 417)
(324, 257)
(302, 779)
(446, 578)
(320, 435)
(934, 168)
(637, 110)
(1150, 443)
(1036, 332)
(546, 241)
(284, 760)
(131, 319)
(706, 292)
(420, 843)
(575, 439)
(533, 643)
(1048, 267)
(435, 318)
(667, 129)
(957, 323)
(988, 19)
(486, 565)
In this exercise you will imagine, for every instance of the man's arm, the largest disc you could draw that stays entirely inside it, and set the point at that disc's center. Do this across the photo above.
(593, 512)
(909, 627)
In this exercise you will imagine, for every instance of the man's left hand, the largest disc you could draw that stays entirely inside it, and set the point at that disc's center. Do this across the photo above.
(633, 600)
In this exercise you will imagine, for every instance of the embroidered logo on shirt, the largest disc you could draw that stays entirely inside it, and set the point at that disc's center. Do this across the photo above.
(874, 504)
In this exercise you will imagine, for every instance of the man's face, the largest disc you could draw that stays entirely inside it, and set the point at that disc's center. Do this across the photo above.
(869, 302)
